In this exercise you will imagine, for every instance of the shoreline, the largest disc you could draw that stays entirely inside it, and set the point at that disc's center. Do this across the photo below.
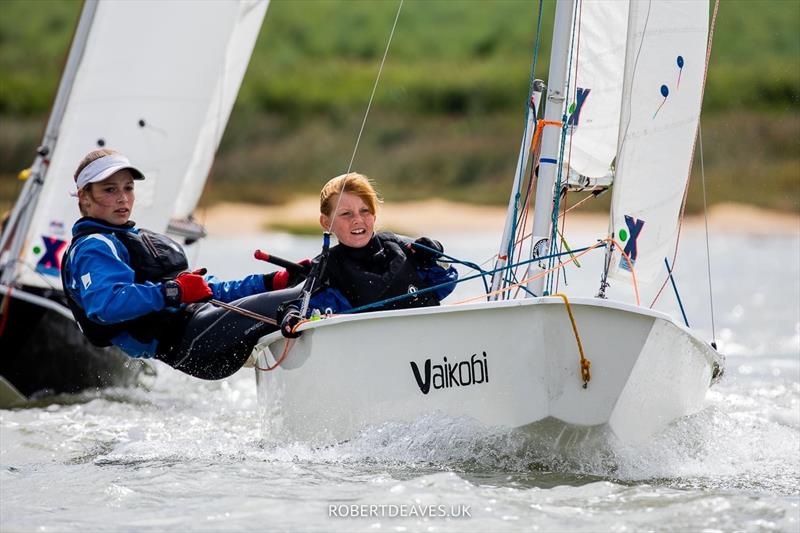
(442, 216)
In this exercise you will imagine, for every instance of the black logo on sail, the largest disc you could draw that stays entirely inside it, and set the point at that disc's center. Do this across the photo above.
(472, 371)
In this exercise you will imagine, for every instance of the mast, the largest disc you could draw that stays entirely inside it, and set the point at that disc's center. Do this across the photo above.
(551, 138)
(16, 231)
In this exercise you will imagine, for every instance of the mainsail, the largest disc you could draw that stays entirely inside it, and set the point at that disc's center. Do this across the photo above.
(155, 80)
(662, 96)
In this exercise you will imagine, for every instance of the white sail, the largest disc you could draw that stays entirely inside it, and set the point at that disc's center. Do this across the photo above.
(664, 76)
(593, 111)
(156, 81)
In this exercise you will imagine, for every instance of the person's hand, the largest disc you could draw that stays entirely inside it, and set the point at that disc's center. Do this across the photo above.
(282, 279)
(188, 287)
(426, 257)
(289, 316)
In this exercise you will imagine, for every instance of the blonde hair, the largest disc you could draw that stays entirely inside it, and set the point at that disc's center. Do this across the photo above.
(94, 155)
(353, 183)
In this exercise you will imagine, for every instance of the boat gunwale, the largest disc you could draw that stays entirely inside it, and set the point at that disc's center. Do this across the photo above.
(311, 325)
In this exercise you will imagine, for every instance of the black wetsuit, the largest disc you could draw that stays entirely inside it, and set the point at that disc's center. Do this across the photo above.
(113, 277)
(385, 268)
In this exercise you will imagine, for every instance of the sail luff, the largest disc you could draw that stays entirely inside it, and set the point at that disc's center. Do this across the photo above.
(240, 46)
(18, 224)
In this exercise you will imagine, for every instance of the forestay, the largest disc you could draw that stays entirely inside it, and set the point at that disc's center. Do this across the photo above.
(156, 81)
(662, 94)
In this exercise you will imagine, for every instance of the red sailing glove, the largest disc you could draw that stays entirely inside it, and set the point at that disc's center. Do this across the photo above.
(188, 287)
(281, 279)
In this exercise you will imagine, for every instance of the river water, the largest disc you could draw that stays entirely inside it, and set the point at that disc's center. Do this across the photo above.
(191, 455)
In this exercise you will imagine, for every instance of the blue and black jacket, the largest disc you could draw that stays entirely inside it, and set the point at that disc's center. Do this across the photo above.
(113, 279)
(385, 268)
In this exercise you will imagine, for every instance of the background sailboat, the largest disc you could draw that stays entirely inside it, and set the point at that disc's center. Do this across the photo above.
(520, 362)
(156, 81)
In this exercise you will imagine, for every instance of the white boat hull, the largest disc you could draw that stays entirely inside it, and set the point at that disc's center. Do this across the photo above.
(509, 364)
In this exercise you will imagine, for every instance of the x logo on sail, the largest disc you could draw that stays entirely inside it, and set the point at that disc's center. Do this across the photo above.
(50, 263)
(635, 228)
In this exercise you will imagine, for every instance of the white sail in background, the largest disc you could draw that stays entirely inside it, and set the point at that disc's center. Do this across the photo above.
(664, 75)
(593, 111)
(156, 81)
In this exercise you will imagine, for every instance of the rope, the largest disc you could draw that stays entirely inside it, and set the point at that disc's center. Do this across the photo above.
(586, 375)
(573, 258)
(708, 249)
(677, 294)
(245, 312)
(366, 113)
(286, 349)
(580, 252)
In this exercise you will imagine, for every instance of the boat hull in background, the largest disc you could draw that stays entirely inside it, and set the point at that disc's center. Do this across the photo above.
(43, 352)
(510, 364)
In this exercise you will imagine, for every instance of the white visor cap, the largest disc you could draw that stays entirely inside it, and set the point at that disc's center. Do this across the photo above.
(101, 168)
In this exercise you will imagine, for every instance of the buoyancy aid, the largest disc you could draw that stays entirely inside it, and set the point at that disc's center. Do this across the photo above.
(153, 257)
(380, 270)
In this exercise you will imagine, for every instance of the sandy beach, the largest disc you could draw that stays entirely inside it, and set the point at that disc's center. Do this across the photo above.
(416, 218)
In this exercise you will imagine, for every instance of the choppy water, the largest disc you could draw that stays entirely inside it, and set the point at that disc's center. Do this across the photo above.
(190, 455)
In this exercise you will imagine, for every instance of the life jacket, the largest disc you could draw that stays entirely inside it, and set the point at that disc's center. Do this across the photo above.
(380, 270)
(153, 257)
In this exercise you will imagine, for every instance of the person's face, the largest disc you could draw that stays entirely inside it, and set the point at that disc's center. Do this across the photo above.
(110, 200)
(353, 224)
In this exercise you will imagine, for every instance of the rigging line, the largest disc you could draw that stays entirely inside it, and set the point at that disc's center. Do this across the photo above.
(708, 250)
(535, 52)
(375, 87)
(529, 108)
(366, 113)
(562, 216)
(579, 252)
(560, 172)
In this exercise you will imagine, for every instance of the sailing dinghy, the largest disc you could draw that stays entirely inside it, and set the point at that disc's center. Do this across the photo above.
(157, 82)
(526, 358)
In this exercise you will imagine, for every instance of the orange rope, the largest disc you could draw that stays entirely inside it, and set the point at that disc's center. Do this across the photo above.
(545, 272)
(586, 375)
(286, 349)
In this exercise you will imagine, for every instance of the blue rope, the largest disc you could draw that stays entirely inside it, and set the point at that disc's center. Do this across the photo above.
(517, 216)
(557, 189)
(454, 260)
(462, 280)
(677, 295)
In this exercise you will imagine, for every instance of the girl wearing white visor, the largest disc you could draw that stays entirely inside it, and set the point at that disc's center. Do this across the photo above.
(132, 288)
